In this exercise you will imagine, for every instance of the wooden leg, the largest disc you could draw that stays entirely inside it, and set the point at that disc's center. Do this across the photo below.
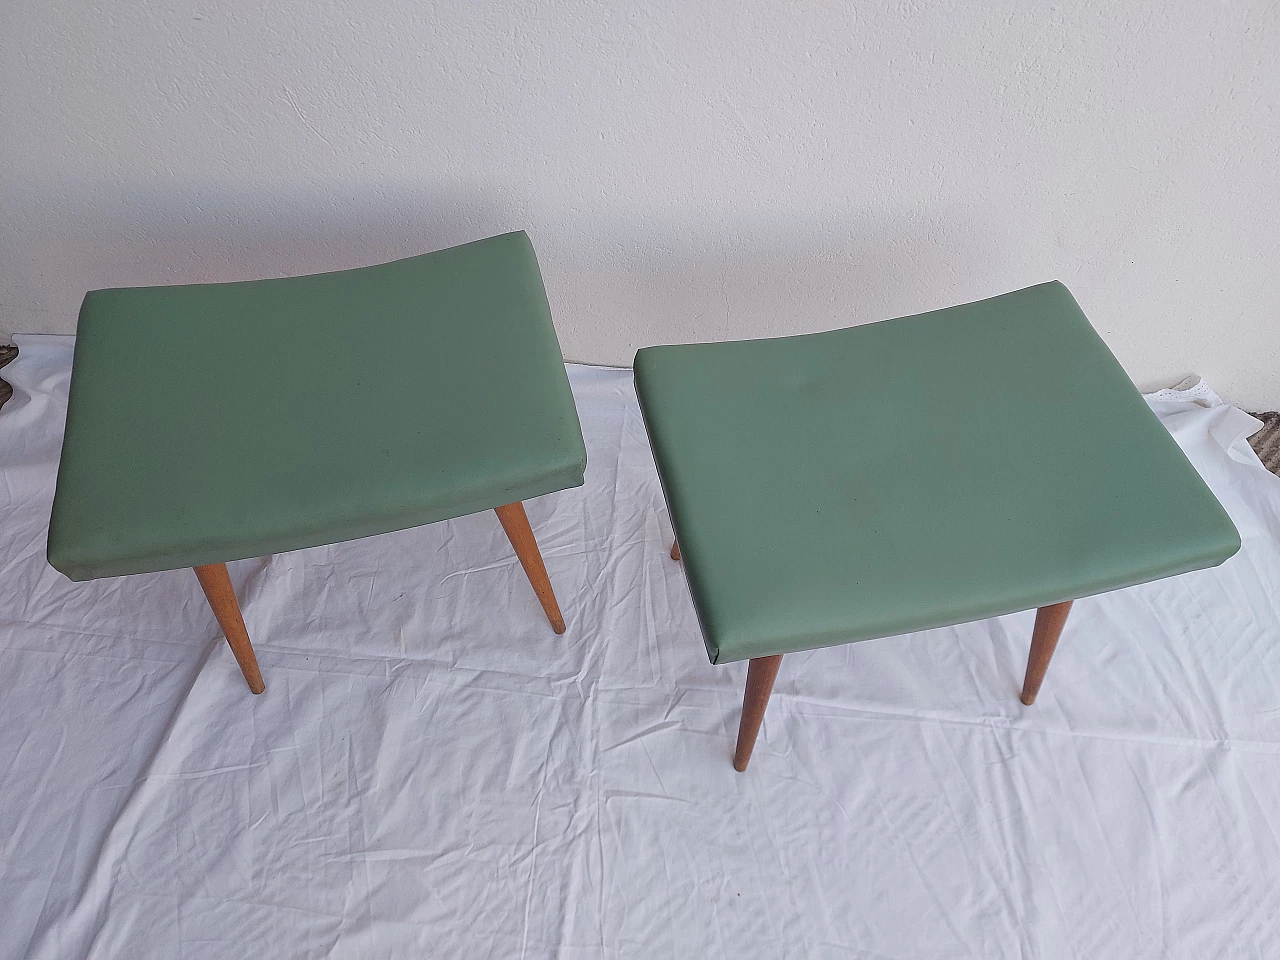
(760, 677)
(216, 582)
(1049, 623)
(675, 550)
(516, 524)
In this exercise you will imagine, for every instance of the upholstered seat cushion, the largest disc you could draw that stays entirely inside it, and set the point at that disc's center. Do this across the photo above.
(914, 473)
(218, 421)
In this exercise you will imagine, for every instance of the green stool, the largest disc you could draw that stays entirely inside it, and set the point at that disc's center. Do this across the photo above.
(897, 476)
(212, 422)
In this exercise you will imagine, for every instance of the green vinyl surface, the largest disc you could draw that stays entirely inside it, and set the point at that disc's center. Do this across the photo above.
(218, 421)
(915, 473)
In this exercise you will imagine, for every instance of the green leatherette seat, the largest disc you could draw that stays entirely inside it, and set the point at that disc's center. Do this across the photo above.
(218, 421)
(932, 470)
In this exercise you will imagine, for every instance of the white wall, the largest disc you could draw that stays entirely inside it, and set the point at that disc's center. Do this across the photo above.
(688, 170)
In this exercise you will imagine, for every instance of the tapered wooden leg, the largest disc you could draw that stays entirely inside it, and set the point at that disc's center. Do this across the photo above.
(675, 550)
(760, 677)
(1044, 637)
(516, 524)
(216, 582)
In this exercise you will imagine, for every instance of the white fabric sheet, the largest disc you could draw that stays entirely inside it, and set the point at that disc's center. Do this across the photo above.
(433, 773)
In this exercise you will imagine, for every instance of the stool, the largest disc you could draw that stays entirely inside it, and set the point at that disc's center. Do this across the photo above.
(916, 473)
(213, 422)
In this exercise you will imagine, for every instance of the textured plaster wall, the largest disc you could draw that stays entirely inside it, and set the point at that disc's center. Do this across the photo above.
(687, 170)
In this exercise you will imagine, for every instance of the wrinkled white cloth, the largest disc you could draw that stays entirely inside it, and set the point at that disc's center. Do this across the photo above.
(433, 773)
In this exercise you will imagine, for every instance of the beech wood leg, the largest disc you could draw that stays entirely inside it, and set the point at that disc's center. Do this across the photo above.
(516, 524)
(1049, 623)
(216, 583)
(760, 677)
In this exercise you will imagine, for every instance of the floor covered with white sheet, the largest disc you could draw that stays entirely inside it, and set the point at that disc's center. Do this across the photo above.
(433, 773)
